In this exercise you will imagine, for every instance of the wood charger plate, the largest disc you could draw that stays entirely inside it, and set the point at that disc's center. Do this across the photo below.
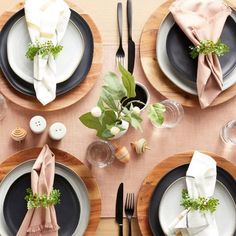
(151, 181)
(70, 97)
(152, 70)
(75, 165)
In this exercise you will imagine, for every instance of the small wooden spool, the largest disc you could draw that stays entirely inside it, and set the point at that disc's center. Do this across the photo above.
(18, 134)
(140, 146)
(121, 153)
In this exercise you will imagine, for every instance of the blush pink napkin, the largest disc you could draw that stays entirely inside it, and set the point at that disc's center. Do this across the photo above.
(203, 20)
(41, 221)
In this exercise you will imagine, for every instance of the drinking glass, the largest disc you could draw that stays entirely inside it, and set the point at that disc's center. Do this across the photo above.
(100, 153)
(228, 132)
(3, 107)
(173, 115)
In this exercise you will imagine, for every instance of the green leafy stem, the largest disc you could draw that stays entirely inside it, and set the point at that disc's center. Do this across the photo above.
(36, 200)
(44, 49)
(207, 47)
(202, 204)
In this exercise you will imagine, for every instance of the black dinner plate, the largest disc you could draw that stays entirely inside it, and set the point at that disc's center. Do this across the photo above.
(177, 46)
(77, 77)
(224, 177)
(68, 211)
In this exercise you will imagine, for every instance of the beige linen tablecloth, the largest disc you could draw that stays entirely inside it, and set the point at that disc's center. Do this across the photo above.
(198, 130)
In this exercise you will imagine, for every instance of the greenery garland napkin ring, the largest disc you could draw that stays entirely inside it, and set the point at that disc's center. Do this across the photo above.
(36, 200)
(207, 47)
(44, 49)
(201, 204)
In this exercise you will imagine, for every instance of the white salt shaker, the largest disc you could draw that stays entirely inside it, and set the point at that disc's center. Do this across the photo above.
(38, 124)
(57, 131)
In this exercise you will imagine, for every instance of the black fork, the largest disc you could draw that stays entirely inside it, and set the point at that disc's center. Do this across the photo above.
(129, 209)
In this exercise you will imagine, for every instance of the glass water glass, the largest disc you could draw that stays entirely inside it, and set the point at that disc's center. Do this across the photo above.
(100, 153)
(228, 132)
(3, 107)
(173, 115)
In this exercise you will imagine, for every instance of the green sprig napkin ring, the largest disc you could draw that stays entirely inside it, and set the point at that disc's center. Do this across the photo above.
(202, 204)
(43, 49)
(208, 46)
(36, 200)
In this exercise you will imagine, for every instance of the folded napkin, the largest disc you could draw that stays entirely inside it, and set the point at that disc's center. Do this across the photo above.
(47, 20)
(203, 20)
(41, 221)
(200, 180)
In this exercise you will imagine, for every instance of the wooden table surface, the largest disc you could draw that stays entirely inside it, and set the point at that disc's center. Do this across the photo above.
(103, 13)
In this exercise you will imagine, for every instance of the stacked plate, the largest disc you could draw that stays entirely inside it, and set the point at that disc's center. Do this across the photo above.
(73, 63)
(165, 201)
(73, 212)
(174, 57)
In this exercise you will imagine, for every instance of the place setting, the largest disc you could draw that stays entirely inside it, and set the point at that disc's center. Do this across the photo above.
(188, 193)
(173, 73)
(75, 73)
(31, 175)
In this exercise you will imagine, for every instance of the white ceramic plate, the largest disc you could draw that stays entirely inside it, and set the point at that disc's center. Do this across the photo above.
(168, 69)
(67, 61)
(75, 181)
(225, 214)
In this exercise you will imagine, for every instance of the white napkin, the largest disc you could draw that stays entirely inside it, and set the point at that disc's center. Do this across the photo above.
(200, 180)
(47, 20)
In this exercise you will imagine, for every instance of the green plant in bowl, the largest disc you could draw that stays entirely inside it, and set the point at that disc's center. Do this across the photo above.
(113, 114)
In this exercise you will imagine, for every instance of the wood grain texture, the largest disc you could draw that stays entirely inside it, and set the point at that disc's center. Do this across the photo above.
(152, 70)
(160, 171)
(75, 165)
(70, 97)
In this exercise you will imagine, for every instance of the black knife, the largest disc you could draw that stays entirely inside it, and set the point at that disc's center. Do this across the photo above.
(119, 208)
(131, 44)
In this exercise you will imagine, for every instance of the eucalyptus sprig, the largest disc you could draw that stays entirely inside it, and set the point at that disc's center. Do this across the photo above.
(207, 47)
(43, 49)
(202, 204)
(36, 200)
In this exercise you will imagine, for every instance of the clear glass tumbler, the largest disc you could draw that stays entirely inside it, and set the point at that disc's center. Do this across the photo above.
(3, 107)
(173, 115)
(100, 153)
(228, 132)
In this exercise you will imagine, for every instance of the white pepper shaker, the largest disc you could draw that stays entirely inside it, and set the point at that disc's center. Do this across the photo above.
(57, 131)
(38, 124)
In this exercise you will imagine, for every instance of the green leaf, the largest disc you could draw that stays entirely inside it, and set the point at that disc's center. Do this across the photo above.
(114, 86)
(106, 134)
(90, 121)
(128, 81)
(108, 118)
(156, 113)
(108, 100)
(134, 119)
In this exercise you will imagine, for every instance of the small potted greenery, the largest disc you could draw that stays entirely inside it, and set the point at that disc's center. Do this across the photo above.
(112, 115)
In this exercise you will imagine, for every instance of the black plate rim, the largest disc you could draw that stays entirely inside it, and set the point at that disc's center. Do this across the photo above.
(77, 77)
(227, 176)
